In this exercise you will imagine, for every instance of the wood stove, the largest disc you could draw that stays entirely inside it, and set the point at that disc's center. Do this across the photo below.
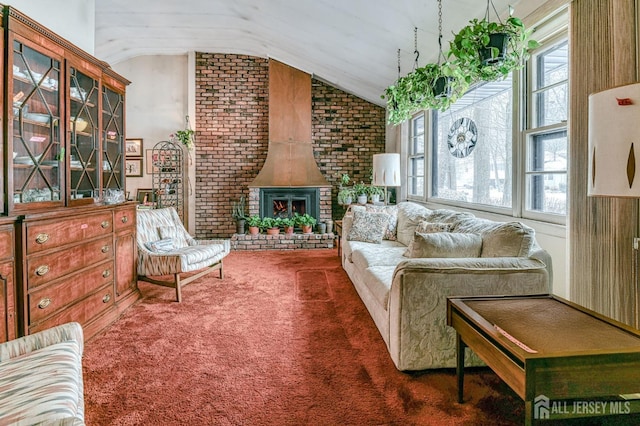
(285, 202)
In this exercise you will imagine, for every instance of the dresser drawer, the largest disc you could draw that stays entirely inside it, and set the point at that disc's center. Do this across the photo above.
(46, 235)
(124, 218)
(45, 268)
(82, 311)
(6, 242)
(47, 300)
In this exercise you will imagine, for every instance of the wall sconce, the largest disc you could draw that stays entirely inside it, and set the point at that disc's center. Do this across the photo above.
(614, 142)
(386, 172)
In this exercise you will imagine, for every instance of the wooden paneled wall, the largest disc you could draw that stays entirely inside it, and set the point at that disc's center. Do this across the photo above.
(603, 55)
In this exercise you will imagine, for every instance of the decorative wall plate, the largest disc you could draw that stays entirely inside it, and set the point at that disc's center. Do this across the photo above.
(462, 138)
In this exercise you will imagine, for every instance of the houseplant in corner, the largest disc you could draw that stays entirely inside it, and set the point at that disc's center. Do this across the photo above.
(254, 223)
(489, 51)
(237, 212)
(305, 222)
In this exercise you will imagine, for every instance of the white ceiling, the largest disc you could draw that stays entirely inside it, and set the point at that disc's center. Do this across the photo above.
(351, 44)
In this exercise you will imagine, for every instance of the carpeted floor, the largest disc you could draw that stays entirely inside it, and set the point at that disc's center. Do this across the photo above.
(282, 340)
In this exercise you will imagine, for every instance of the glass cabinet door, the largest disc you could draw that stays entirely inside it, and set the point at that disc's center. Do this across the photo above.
(38, 155)
(84, 155)
(112, 139)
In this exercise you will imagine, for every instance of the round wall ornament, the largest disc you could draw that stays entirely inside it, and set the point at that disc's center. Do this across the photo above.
(462, 137)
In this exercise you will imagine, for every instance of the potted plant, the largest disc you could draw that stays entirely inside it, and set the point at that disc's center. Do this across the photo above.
(360, 189)
(488, 51)
(288, 224)
(375, 192)
(345, 196)
(305, 222)
(271, 225)
(237, 212)
(185, 137)
(254, 223)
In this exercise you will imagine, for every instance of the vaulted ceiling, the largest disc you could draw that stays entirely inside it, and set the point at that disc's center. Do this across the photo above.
(351, 44)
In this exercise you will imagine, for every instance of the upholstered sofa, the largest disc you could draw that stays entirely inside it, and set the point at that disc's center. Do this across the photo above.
(405, 260)
(41, 378)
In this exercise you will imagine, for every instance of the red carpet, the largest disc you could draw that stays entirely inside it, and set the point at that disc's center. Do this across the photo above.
(282, 340)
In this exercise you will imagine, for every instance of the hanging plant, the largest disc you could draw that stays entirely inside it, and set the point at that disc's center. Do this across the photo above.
(185, 137)
(489, 51)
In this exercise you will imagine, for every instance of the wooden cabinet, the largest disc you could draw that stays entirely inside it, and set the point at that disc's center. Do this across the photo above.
(8, 324)
(63, 138)
(65, 121)
(77, 265)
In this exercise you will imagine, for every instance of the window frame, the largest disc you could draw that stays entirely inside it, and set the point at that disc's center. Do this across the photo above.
(411, 155)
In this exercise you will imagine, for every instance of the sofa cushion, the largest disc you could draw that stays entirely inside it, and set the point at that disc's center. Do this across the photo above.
(446, 244)
(368, 226)
(378, 255)
(426, 227)
(500, 239)
(409, 216)
(392, 211)
(42, 386)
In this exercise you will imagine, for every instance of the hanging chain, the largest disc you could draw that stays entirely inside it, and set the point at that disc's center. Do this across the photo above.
(440, 54)
(490, 6)
(398, 64)
(415, 46)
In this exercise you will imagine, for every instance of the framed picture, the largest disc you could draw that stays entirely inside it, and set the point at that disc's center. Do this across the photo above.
(133, 167)
(150, 160)
(133, 148)
(145, 196)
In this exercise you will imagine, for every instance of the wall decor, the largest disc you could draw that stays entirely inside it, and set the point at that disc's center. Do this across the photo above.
(145, 196)
(133, 148)
(133, 167)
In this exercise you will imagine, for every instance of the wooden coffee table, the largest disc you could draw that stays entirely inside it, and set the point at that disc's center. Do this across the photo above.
(547, 350)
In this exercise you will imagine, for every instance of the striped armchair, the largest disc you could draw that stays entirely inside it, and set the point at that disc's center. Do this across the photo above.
(165, 248)
(41, 378)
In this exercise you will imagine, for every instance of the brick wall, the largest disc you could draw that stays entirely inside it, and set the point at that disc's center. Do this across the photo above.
(232, 135)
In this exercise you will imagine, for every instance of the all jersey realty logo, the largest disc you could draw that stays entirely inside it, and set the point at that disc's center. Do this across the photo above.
(543, 407)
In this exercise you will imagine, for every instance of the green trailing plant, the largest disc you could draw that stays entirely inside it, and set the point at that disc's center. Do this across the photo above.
(360, 189)
(470, 42)
(185, 137)
(375, 190)
(345, 194)
(304, 219)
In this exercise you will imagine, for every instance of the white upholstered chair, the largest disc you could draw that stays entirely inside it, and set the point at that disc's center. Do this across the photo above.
(165, 248)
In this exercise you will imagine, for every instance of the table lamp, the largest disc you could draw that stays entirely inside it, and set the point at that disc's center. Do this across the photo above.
(386, 172)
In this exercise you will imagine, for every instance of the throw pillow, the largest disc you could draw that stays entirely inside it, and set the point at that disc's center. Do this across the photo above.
(508, 239)
(368, 227)
(160, 246)
(426, 227)
(409, 216)
(446, 244)
(392, 211)
(173, 233)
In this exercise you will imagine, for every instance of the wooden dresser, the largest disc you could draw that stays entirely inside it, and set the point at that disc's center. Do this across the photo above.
(8, 323)
(77, 266)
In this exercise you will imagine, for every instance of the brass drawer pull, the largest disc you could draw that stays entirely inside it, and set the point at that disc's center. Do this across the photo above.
(105, 224)
(42, 238)
(106, 298)
(106, 273)
(125, 219)
(44, 303)
(42, 270)
(105, 249)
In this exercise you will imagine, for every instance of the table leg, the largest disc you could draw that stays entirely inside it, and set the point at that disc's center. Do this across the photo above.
(460, 347)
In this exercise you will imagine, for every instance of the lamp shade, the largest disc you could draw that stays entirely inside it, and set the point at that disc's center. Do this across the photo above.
(386, 170)
(614, 142)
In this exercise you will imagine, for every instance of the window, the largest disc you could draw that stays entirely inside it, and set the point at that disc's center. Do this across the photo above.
(485, 175)
(415, 163)
(503, 146)
(546, 134)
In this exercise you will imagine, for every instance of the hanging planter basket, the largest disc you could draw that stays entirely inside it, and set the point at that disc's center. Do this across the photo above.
(443, 87)
(489, 51)
(496, 51)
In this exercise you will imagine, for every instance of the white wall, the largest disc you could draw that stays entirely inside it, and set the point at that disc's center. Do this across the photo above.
(157, 102)
(74, 20)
